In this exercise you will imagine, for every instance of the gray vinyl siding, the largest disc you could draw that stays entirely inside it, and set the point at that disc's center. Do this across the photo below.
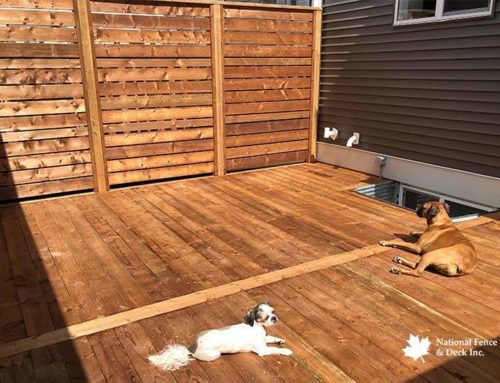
(427, 92)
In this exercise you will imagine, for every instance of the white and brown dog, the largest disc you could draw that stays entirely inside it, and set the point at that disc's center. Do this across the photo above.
(249, 336)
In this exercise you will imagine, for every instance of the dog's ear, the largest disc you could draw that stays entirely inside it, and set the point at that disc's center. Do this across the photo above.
(433, 211)
(249, 319)
(447, 207)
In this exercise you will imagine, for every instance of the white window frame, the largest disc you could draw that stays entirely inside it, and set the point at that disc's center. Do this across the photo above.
(439, 197)
(439, 17)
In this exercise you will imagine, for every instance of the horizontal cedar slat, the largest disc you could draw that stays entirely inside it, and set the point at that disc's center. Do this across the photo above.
(266, 107)
(30, 92)
(46, 188)
(141, 36)
(40, 76)
(30, 63)
(266, 126)
(265, 14)
(156, 114)
(266, 117)
(125, 102)
(154, 137)
(268, 83)
(257, 150)
(26, 108)
(36, 17)
(44, 160)
(266, 138)
(238, 61)
(266, 51)
(136, 88)
(43, 134)
(256, 38)
(163, 10)
(35, 50)
(42, 122)
(266, 95)
(158, 125)
(45, 174)
(267, 25)
(148, 22)
(160, 173)
(45, 146)
(128, 51)
(267, 71)
(159, 149)
(159, 161)
(154, 74)
(152, 63)
(42, 4)
(266, 160)
(40, 34)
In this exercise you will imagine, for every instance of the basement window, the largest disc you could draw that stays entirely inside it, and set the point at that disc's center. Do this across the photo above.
(410, 197)
(409, 12)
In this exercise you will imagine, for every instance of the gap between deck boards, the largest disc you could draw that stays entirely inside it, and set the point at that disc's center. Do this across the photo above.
(177, 303)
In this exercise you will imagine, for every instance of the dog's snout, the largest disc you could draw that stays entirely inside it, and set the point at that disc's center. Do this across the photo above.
(274, 318)
(419, 210)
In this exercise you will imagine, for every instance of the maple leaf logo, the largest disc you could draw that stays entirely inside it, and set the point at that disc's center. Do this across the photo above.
(417, 347)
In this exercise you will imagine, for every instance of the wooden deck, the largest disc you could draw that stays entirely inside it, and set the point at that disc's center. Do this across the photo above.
(65, 262)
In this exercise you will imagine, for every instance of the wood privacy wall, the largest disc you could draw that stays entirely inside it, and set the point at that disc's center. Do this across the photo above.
(267, 83)
(44, 146)
(169, 90)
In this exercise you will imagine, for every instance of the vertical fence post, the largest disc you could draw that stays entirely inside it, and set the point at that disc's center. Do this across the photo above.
(315, 78)
(217, 19)
(83, 18)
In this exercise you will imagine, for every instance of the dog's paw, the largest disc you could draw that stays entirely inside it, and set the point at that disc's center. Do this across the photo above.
(385, 243)
(394, 270)
(397, 260)
(281, 341)
(286, 351)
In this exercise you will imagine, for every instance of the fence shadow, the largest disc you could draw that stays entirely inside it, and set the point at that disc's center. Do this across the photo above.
(29, 304)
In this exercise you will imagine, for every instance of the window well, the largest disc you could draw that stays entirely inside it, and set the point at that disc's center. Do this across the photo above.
(409, 197)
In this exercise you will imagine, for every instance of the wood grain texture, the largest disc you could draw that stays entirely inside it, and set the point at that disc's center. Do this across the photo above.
(315, 83)
(268, 64)
(92, 99)
(102, 324)
(150, 258)
(42, 117)
(157, 89)
(144, 77)
(217, 41)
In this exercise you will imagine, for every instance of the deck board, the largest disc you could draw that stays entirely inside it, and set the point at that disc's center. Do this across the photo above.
(66, 261)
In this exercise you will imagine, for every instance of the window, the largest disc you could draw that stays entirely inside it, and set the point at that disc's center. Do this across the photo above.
(410, 197)
(424, 11)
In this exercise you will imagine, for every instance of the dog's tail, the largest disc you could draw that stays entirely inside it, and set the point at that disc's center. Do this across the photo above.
(171, 358)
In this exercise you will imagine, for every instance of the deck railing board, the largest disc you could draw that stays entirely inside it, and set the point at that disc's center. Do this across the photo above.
(109, 93)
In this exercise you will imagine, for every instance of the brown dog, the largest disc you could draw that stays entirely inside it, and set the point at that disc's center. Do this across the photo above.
(441, 245)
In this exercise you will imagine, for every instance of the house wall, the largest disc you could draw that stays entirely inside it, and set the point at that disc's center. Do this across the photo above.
(428, 93)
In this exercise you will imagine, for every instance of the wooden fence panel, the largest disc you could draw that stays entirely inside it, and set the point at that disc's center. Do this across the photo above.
(267, 86)
(44, 145)
(155, 77)
(166, 90)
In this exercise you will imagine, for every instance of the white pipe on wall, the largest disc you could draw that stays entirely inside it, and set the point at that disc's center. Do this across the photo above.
(353, 140)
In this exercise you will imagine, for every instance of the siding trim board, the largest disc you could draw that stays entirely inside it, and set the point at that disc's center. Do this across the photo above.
(428, 92)
(460, 184)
